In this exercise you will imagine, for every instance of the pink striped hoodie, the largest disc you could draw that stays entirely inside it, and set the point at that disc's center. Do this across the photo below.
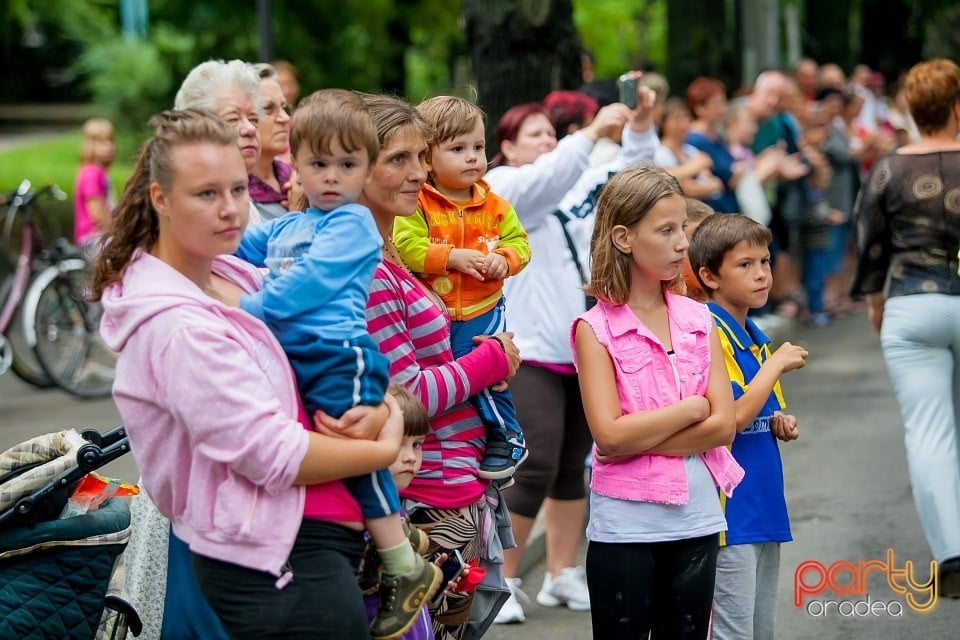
(414, 333)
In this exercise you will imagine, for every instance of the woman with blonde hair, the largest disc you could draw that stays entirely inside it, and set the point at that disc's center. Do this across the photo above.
(231, 90)
(231, 459)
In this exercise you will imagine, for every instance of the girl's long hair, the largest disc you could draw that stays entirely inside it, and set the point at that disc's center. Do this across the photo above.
(135, 225)
(625, 200)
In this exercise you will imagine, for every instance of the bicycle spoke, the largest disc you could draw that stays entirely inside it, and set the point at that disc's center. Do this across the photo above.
(68, 342)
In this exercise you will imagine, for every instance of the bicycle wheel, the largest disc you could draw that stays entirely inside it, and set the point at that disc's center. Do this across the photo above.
(62, 326)
(25, 363)
(14, 352)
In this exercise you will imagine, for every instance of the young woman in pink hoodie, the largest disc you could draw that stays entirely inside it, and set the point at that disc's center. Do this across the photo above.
(210, 404)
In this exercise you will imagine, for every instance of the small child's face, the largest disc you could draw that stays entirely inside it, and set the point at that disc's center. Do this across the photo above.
(745, 277)
(334, 178)
(102, 144)
(815, 134)
(105, 149)
(457, 163)
(407, 464)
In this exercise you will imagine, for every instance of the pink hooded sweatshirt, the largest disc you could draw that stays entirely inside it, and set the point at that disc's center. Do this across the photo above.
(210, 406)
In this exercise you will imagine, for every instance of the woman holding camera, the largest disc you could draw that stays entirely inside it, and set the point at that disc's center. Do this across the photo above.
(554, 193)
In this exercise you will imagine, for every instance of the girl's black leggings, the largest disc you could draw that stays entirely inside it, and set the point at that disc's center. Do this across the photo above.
(660, 588)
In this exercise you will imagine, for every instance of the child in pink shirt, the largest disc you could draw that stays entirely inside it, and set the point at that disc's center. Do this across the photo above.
(91, 191)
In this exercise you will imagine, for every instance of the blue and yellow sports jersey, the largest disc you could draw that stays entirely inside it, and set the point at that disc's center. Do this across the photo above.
(757, 511)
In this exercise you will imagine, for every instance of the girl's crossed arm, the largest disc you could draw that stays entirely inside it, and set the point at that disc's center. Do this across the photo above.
(691, 425)
(719, 426)
(617, 434)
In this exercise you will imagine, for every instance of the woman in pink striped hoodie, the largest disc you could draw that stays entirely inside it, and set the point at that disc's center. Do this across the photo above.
(447, 499)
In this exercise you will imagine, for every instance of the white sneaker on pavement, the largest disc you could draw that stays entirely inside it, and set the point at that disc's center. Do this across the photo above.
(511, 612)
(569, 589)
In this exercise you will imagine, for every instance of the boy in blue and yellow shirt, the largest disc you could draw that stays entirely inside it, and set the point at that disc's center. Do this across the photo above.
(730, 256)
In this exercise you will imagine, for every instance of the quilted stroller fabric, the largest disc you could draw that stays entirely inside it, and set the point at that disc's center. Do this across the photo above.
(54, 575)
(54, 572)
(29, 466)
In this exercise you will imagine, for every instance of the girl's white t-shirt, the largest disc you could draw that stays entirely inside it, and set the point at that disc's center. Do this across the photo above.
(617, 520)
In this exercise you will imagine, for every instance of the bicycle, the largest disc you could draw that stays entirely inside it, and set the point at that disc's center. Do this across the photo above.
(47, 310)
(15, 353)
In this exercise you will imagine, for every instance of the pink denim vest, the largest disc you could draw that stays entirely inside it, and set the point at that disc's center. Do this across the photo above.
(646, 381)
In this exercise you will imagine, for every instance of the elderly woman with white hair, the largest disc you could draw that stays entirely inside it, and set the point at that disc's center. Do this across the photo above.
(231, 90)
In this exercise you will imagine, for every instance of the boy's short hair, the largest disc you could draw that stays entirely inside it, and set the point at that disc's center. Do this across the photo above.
(697, 210)
(450, 116)
(331, 114)
(717, 235)
(416, 422)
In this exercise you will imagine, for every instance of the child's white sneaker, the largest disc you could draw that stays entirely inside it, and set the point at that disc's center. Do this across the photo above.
(569, 589)
(511, 612)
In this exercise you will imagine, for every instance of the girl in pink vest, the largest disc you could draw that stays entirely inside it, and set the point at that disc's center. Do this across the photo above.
(659, 406)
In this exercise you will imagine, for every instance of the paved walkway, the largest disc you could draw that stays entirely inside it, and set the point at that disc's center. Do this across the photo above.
(25, 124)
(11, 139)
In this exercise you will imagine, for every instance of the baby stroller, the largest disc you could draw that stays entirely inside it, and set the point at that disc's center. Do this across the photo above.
(54, 573)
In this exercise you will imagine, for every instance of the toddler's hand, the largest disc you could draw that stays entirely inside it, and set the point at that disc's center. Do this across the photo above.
(495, 266)
(362, 422)
(784, 426)
(294, 190)
(467, 261)
(790, 357)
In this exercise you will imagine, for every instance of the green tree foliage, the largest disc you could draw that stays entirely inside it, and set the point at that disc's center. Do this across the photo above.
(827, 33)
(943, 33)
(405, 47)
(704, 46)
(521, 51)
(623, 34)
(72, 50)
(132, 79)
(366, 45)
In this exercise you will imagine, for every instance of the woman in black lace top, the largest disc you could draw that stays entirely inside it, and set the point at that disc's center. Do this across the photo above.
(908, 238)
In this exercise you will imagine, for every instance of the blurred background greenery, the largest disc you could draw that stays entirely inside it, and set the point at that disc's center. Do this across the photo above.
(124, 59)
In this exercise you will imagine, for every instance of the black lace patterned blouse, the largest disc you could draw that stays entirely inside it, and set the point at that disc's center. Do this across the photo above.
(908, 226)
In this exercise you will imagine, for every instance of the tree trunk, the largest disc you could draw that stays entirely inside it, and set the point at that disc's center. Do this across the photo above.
(760, 38)
(891, 33)
(521, 51)
(827, 37)
(393, 72)
(702, 40)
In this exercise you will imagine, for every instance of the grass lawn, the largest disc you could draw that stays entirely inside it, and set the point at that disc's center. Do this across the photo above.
(55, 160)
